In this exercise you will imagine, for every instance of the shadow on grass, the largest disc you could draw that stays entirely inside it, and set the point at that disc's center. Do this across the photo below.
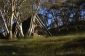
(22, 50)
(71, 55)
(13, 50)
(75, 47)
(76, 43)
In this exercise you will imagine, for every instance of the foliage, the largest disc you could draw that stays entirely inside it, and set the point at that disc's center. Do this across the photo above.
(14, 10)
(22, 6)
(60, 12)
(25, 9)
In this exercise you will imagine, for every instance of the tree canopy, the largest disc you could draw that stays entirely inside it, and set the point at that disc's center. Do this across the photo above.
(53, 13)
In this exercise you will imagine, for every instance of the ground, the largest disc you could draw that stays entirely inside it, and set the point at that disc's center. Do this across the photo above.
(67, 45)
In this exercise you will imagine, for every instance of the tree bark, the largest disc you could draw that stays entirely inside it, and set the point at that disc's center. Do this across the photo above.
(11, 19)
(3, 17)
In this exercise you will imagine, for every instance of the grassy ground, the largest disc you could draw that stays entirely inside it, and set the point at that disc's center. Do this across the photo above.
(69, 45)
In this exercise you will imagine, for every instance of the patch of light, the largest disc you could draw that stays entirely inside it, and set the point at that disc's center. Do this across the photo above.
(49, 22)
(71, 15)
(83, 14)
(41, 11)
(49, 15)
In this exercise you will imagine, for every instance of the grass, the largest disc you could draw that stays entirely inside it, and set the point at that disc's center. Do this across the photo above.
(69, 45)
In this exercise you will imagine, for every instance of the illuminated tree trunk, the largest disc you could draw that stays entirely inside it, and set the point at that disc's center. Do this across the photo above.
(3, 17)
(11, 19)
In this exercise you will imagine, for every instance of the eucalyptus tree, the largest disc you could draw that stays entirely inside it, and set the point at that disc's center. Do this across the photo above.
(14, 9)
(4, 6)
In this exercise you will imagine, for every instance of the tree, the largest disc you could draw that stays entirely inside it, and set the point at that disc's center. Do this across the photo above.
(12, 9)
(67, 9)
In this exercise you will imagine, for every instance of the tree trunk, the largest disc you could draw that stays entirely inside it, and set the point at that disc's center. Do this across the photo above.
(11, 19)
(21, 31)
(3, 17)
(31, 29)
(10, 30)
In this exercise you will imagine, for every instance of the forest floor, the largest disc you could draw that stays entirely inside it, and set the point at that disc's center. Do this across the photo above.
(68, 45)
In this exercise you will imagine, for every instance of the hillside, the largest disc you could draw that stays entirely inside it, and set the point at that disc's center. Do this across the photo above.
(68, 45)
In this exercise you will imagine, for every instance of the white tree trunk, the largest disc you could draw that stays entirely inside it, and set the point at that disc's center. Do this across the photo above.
(21, 31)
(31, 29)
(2, 14)
(11, 19)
